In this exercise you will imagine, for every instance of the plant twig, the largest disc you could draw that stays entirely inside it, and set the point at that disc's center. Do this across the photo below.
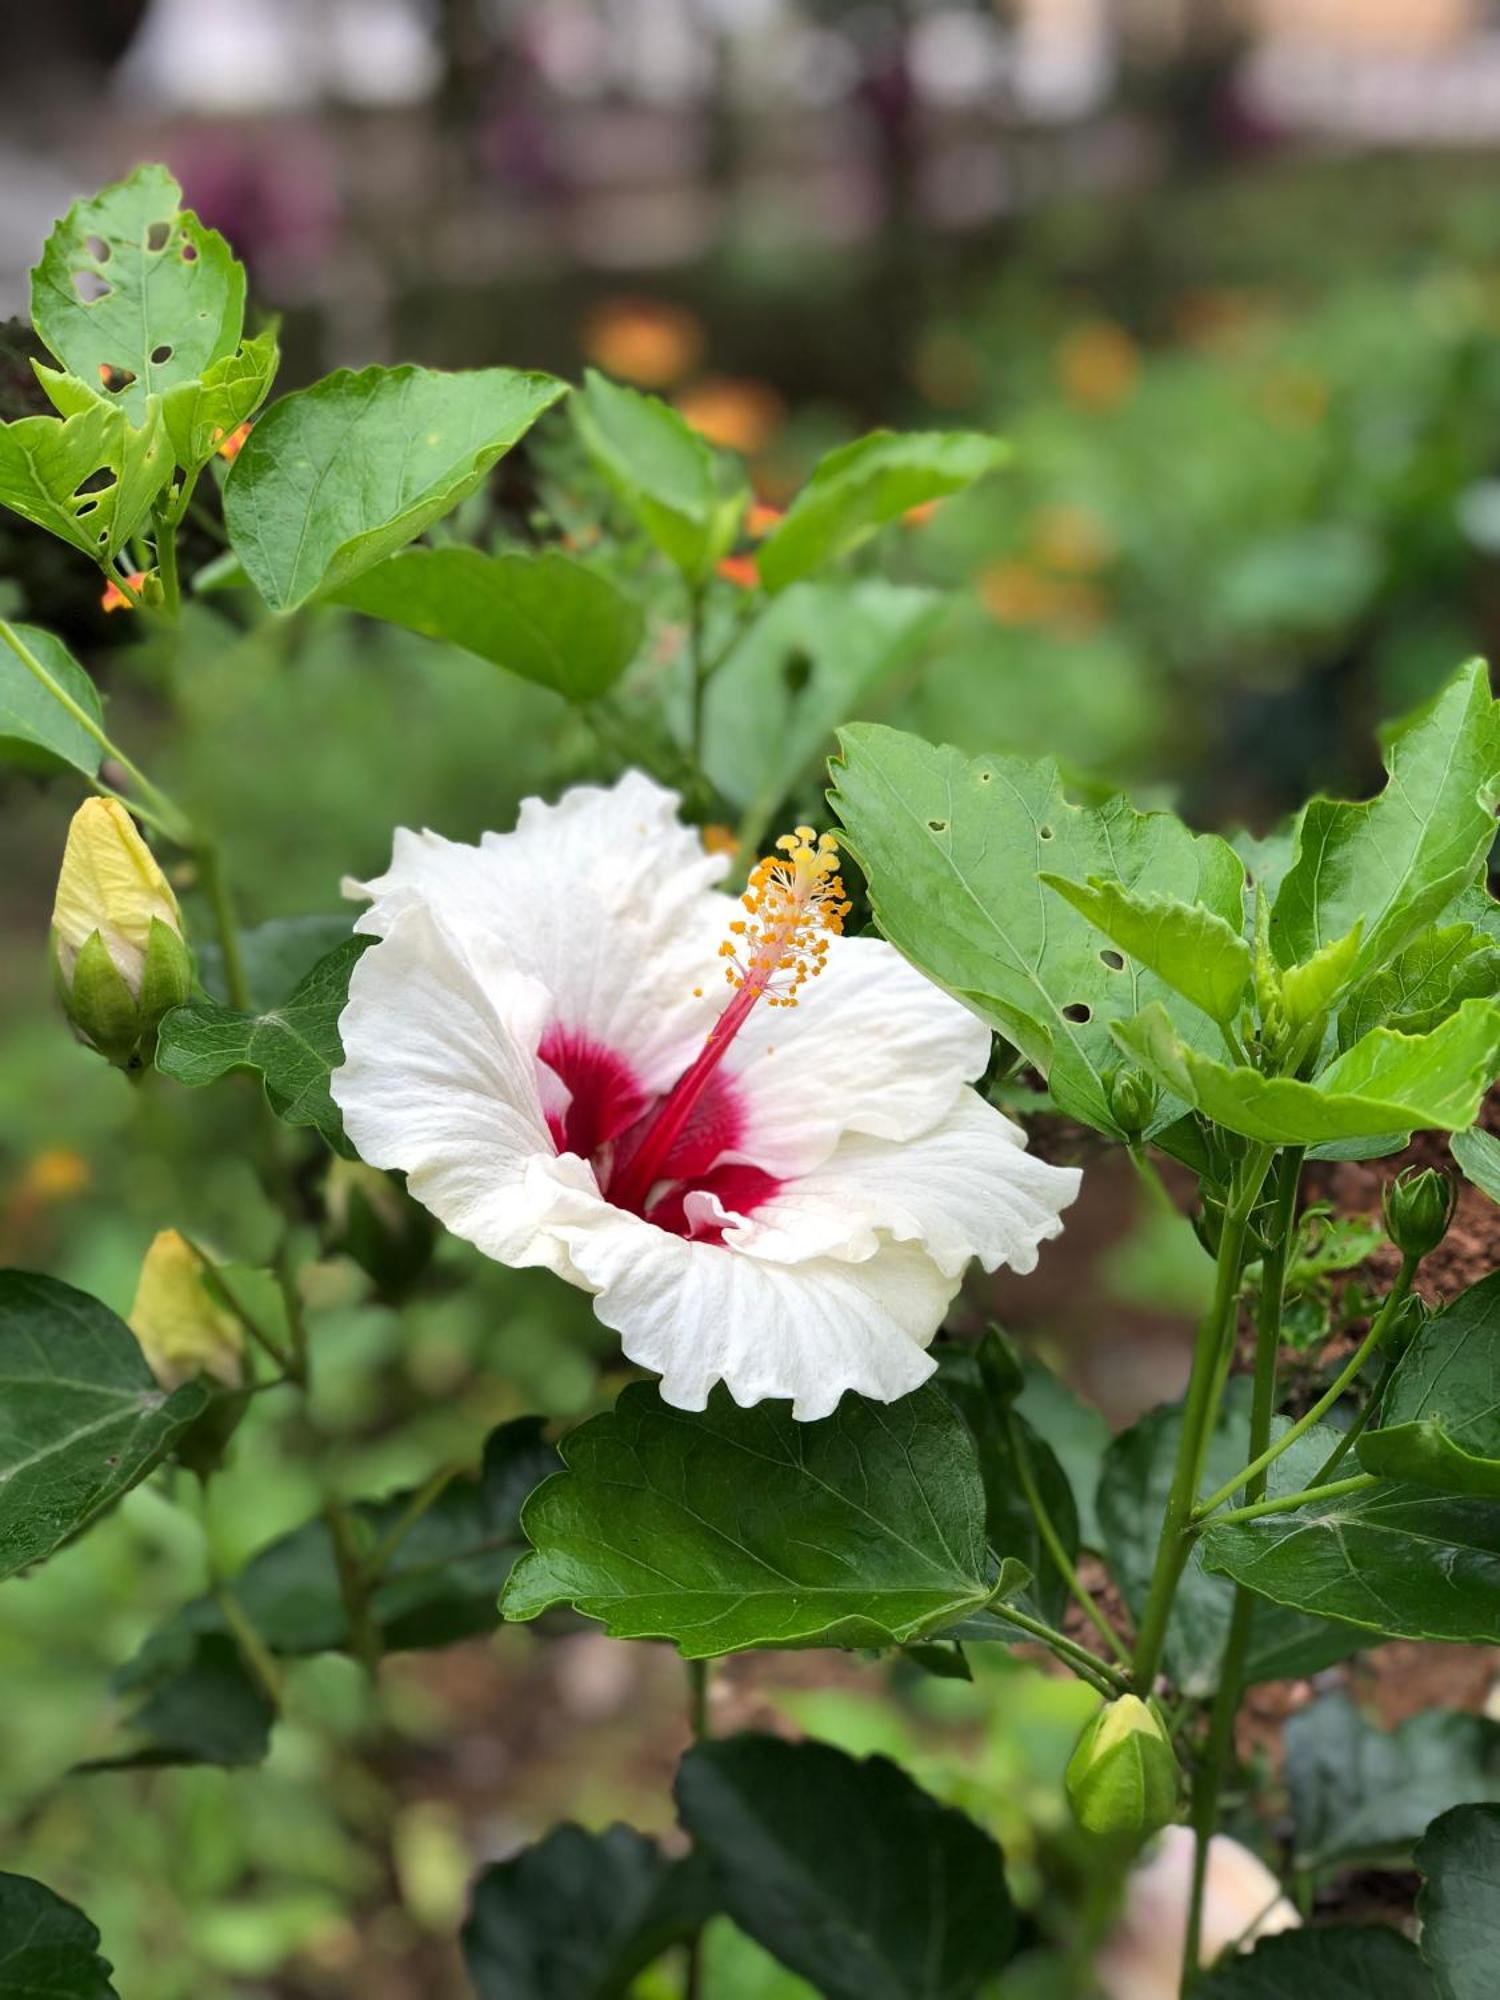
(1047, 1529)
(1286, 1503)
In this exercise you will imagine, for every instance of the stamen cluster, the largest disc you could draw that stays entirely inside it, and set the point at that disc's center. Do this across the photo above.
(793, 900)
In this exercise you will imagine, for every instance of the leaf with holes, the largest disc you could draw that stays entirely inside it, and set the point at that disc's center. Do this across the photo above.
(88, 479)
(1458, 1905)
(731, 1528)
(952, 850)
(199, 415)
(1388, 1082)
(545, 617)
(1394, 863)
(134, 293)
(84, 1418)
(36, 732)
(847, 1871)
(1191, 949)
(335, 478)
(1335, 1962)
(863, 486)
(294, 1047)
(1440, 1416)
(687, 497)
(578, 1915)
(48, 1948)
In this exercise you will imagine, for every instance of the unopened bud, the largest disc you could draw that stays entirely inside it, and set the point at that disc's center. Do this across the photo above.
(372, 1219)
(117, 941)
(183, 1329)
(1132, 1101)
(1122, 1780)
(1418, 1205)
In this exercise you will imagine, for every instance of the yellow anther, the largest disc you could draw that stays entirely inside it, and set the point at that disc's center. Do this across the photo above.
(793, 900)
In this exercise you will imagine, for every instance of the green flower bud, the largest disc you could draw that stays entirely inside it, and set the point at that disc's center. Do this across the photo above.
(1122, 1779)
(1132, 1100)
(1407, 1322)
(1418, 1205)
(117, 945)
(372, 1219)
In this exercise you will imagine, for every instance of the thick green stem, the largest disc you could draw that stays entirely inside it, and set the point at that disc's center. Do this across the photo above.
(1208, 1778)
(1199, 1412)
(226, 928)
(1345, 1378)
(1047, 1529)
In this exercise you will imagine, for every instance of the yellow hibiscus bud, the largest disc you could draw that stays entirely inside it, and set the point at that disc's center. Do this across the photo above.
(1123, 1779)
(183, 1329)
(117, 938)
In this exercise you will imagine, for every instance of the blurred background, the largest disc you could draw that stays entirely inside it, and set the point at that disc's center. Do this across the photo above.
(1228, 274)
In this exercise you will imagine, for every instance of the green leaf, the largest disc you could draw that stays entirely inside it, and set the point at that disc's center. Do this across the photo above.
(334, 478)
(863, 486)
(84, 1418)
(439, 1585)
(89, 479)
(1394, 1559)
(1478, 1155)
(1335, 1962)
(578, 1915)
(35, 733)
(1189, 948)
(1132, 1497)
(277, 954)
(199, 415)
(1394, 863)
(1077, 1435)
(818, 1854)
(207, 1710)
(1388, 1082)
(1440, 1417)
(545, 617)
(687, 497)
(1424, 984)
(294, 1047)
(865, 1529)
(173, 294)
(48, 1948)
(951, 850)
(809, 662)
(1459, 1903)
(1362, 1794)
(1310, 989)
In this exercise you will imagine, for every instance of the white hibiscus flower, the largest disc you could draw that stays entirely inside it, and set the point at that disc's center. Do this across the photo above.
(779, 1196)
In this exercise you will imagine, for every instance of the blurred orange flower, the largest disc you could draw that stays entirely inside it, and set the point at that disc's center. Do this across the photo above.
(918, 516)
(646, 341)
(720, 840)
(762, 520)
(740, 570)
(1019, 593)
(1099, 364)
(114, 599)
(231, 446)
(733, 411)
(57, 1173)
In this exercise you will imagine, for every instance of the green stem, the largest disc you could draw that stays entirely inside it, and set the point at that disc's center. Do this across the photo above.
(256, 1654)
(168, 816)
(165, 525)
(1152, 1181)
(1286, 1503)
(226, 928)
(1371, 1409)
(1046, 1528)
(1342, 1381)
(1215, 1334)
(699, 678)
(364, 1634)
(420, 1503)
(123, 584)
(215, 1282)
(698, 1673)
(1088, 1667)
(1208, 1778)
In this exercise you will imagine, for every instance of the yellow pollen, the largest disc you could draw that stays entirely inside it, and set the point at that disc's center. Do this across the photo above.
(795, 896)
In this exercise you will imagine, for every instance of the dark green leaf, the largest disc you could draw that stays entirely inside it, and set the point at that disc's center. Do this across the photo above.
(1387, 1082)
(864, 485)
(35, 732)
(295, 1048)
(277, 954)
(1339, 1962)
(208, 1710)
(1188, 947)
(1459, 1904)
(84, 1418)
(686, 496)
(578, 1915)
(1478, 1155)
(1132, 1497)
(1394, 1559)
(48, 1949)
(335, 478)
(1424, 983)
(951, 852)
(1440, 1418)
(738, 1528)
(1394, 863)
(130, 281)
(846, 1871)
(1362, 1793)
(90, 479)
(544, 617)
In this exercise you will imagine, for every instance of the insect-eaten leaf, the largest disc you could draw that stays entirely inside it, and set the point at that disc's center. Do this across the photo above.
(89, 479)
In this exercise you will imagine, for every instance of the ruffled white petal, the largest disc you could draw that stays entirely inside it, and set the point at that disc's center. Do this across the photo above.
(967, 1188)
(605, 898)
(872, 1047)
